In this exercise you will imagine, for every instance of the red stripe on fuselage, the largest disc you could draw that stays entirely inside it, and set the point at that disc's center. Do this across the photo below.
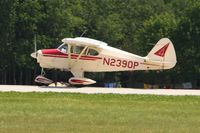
(52, 52)
(59, 54)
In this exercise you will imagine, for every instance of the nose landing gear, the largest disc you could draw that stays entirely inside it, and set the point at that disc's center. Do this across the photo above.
(42, 72)
(41, 80)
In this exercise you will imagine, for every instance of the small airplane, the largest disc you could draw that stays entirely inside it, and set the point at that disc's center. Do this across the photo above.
(82, 54)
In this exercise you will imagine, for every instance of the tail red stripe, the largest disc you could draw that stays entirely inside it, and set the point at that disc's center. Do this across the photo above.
(161, 52)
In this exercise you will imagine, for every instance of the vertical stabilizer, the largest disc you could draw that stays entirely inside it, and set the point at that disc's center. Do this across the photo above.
(163, 53)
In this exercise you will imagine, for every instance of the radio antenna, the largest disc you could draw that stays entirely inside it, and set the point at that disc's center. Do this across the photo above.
(83, 33)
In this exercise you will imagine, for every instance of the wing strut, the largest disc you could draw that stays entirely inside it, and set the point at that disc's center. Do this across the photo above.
(69, 56)
(76, 61)
(77, 71)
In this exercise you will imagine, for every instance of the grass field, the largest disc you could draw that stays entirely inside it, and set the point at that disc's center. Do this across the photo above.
(102, 113)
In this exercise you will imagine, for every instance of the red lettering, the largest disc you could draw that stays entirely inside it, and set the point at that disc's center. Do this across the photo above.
(112, 63)
(119, 63)
(106, 61)
(135, 64)
(130, 64)
(124, 63)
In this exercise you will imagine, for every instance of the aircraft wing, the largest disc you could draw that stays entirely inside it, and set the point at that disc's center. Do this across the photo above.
(82, 41)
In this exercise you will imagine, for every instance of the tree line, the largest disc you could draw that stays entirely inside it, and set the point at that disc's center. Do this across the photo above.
(130, 25)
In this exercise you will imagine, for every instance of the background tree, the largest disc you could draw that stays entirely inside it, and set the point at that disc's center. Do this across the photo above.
(188, 42)
(7, 33)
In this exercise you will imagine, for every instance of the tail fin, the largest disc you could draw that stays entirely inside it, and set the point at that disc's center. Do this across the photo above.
(163, 55)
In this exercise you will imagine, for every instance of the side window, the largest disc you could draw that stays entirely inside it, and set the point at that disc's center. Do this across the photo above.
(92, 52)
(76, 49)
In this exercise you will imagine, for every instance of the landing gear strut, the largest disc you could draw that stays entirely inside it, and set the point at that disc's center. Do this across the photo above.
(42, 72)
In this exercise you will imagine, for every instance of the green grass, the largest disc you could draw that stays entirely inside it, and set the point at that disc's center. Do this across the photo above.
(74, 113)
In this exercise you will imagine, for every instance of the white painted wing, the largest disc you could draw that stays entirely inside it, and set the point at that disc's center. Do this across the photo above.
(83, 41)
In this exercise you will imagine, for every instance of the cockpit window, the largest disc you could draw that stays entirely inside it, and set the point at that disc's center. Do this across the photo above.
(76, 49)
(92, 52)
(63, 48)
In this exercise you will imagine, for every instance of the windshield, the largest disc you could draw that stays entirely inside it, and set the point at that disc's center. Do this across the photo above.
(63, 48)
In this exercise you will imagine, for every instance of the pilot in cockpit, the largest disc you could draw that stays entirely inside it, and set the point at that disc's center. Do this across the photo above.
(63, 48)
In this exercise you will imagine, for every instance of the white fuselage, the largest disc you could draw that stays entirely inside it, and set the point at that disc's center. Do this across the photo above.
(109, 59)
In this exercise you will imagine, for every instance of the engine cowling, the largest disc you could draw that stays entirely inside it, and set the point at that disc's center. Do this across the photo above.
(81, 81)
